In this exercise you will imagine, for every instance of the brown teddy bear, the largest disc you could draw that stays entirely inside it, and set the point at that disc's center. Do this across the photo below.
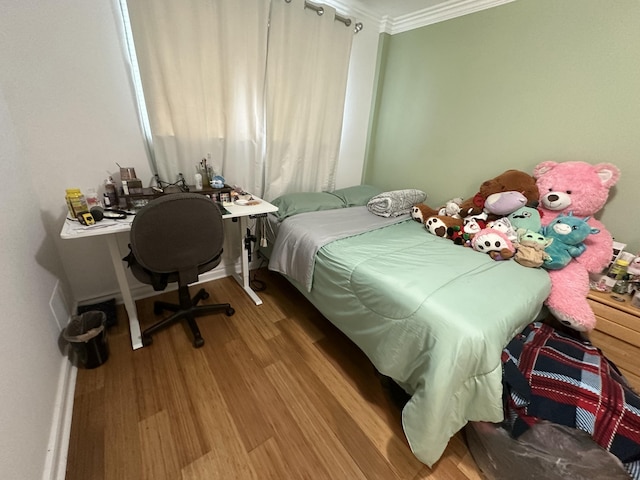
(509, 181)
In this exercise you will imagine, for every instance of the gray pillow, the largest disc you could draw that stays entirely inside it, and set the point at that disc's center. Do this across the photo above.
(356, 196)
(293, 203)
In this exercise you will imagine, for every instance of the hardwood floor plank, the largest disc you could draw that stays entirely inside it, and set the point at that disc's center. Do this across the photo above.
(244, 389)
(227, 456)
(372, 463)
(122, 455)
(271, 460)
(377, 430)
(159, 458)
(330, 451)
(88, 423)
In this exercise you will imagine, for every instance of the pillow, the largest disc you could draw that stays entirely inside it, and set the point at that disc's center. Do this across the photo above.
(293, 203)
(356, 196)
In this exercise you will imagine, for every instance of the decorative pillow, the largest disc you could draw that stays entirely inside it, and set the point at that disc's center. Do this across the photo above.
(396, 202)
(356, 196)
(293, 203)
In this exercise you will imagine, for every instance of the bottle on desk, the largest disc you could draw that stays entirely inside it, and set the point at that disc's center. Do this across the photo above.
(618, 270)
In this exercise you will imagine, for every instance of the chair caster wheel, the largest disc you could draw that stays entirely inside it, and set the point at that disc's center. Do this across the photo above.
(230, 311)
(205, 295)
(198, 342)
(157, 310)
(146, 340)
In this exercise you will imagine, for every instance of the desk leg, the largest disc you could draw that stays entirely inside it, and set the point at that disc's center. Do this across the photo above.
(243, 278)
(129, 304)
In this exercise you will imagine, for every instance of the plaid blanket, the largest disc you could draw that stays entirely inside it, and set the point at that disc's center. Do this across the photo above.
(549, 375)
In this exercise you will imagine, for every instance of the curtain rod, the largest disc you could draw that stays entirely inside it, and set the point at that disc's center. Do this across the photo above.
(320, 11)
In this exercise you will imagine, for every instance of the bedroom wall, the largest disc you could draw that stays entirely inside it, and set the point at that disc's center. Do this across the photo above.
(31, 362)
(461, 101)
(73, 112)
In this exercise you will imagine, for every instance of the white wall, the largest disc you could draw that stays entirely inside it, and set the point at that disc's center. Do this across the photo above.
(66, 117)
(29, 356)
(73, 110)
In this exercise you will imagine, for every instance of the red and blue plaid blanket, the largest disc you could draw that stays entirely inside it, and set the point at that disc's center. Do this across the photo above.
(550, 376)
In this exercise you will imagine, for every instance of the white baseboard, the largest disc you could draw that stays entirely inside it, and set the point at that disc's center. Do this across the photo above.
(55, 465)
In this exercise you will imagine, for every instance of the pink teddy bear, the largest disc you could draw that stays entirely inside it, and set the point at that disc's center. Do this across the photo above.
(583, 189)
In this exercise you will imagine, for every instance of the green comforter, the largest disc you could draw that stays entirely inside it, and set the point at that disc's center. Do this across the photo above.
(432, 315)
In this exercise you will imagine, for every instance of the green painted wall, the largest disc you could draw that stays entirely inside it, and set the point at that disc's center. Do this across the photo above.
(461, 101)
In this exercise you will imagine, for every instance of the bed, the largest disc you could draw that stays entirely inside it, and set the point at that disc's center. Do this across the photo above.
(431, 315)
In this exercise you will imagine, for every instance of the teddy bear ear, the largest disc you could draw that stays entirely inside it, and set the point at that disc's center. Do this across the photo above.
(543, 168)
(609, 174)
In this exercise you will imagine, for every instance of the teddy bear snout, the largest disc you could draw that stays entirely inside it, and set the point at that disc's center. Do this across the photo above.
(556, 200)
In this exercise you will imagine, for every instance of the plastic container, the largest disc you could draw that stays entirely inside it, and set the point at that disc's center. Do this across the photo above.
(618, 270)
(88, 338)
(622, 285)
(198, 181)
(546, 451)
(92, 198)
(76, 202)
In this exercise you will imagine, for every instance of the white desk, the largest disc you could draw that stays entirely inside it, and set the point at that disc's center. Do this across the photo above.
(239, 213)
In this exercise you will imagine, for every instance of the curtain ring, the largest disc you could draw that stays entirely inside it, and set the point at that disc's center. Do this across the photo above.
(357, 27)
(320, 11)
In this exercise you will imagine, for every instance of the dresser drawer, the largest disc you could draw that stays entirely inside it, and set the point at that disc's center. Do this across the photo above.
(617, 325)
(617, 333)
(630, 323)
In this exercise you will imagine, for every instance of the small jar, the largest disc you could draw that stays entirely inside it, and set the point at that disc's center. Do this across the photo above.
(622, 286)
(619, 269)
(92, 198)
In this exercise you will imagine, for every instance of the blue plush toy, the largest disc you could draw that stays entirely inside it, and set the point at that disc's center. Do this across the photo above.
(568, 234)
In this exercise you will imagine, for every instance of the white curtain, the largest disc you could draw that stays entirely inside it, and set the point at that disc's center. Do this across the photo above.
(204, 66)
(306, 82)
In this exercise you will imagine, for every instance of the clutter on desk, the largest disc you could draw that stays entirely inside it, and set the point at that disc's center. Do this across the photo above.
(621, 276)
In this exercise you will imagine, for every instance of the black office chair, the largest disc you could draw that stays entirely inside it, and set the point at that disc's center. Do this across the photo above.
(175, 238)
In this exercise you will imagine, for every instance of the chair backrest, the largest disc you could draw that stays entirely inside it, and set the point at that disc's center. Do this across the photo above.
(177, 232)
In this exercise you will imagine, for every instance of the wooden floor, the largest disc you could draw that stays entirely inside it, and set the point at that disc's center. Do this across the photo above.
(276, 392)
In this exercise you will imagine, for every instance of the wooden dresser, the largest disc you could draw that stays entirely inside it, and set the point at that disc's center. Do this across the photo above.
(617, 332)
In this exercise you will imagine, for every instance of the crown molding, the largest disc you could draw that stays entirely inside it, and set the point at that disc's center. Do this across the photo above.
(439, 13)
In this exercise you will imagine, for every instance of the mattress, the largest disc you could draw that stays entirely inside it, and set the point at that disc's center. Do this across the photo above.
(432, 315)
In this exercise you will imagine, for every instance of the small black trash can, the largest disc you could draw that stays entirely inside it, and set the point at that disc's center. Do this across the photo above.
(88, 338)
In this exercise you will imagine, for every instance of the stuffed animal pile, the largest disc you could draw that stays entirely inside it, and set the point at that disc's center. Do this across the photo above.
(540, 220)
